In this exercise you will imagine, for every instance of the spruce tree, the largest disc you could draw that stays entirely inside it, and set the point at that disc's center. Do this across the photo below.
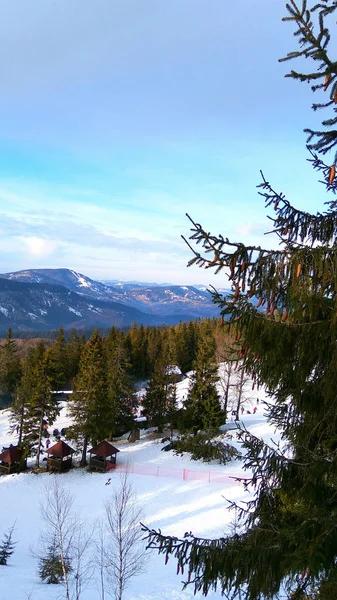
(74, 348)
(185, 345)
(158, 400)
(10, 367)
(121, 392)
(203, 401)
(36, 405)
(137, 345)
(19, 406)
(90, 408)
(155, 340)
(57, 362)
(287, 540)
(51, 569)
(7, 546)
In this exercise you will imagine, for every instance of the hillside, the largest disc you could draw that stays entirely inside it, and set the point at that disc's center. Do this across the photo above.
(43, 306)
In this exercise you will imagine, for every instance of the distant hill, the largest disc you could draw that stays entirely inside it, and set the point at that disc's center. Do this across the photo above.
(45, 299)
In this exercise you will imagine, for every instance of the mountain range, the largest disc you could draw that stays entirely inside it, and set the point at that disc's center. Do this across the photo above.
(46, 299)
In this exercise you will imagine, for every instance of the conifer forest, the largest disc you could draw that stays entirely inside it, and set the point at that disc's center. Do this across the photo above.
(102, 371)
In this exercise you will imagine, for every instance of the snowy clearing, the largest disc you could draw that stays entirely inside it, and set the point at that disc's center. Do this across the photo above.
(173, 504)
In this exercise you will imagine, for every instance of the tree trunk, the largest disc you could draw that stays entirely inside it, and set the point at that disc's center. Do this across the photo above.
(120, 549)
(39, 441)
(21, 426)
(229, 373)
(242, 375)
(83, 462)
(63, 562)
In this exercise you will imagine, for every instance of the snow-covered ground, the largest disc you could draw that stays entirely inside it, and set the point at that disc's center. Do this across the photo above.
(175, 505)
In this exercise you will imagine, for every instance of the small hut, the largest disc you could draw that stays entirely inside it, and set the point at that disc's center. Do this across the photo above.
(102, 457)
(59, 457)
(12, 461)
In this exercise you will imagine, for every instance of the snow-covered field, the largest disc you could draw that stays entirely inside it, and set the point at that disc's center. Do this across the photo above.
(171, 504)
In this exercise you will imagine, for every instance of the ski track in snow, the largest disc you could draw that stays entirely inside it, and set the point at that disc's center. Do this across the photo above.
(173, 505)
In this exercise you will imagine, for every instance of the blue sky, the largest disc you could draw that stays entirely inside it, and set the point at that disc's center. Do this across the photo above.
(119, 116)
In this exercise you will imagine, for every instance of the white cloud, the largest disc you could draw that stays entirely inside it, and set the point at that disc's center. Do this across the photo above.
(39, 247)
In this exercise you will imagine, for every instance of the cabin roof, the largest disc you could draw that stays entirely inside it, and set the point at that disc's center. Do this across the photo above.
(12, 454)
(104, 449)
(60, 449)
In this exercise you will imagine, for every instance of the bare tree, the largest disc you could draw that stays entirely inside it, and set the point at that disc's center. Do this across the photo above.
(242, 381)
(66, 536)
(239, 389)
(125, 553)
(226, 382)
(101, 548)
(82, 565)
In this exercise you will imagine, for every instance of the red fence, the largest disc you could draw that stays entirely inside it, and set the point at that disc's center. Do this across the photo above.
(184, 474)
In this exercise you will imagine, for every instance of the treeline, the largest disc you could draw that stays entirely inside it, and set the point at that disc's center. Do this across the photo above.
(51, 334)
(142, 346)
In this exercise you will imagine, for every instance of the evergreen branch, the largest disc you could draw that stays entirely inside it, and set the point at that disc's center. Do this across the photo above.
(292, 224)
(314, 47)
(325, 10)
(200, 555)
(216, 243)
(311, 44)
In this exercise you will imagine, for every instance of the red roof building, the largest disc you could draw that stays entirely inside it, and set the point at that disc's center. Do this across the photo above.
(102, 457)
(11, 460)
(60, 457)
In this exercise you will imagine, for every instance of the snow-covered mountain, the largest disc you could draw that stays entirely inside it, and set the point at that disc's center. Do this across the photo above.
(45, 306)
(170, 299)
(119, 283)
(44, 299)
(76, 282)
(156, 299)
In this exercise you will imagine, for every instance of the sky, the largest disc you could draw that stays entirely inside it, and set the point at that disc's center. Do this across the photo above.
(118, 117)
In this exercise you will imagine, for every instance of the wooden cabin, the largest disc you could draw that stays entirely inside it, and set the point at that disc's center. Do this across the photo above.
(12, 461)
(59, 457)
(102, 457)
